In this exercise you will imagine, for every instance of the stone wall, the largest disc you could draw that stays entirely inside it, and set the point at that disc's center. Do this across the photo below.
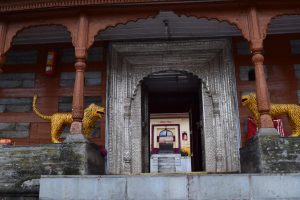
(14, 130)
(17, 80)
(90, 78)
(15, 105)
(271, 154)
(22, 166)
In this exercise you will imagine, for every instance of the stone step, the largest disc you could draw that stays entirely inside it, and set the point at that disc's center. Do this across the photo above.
(172, 187)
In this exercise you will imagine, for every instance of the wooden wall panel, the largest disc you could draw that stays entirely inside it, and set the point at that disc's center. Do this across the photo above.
(49, 90)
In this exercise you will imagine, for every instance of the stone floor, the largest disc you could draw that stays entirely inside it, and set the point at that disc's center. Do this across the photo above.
(172, 186)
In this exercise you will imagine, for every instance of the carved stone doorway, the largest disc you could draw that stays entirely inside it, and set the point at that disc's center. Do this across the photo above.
(171, 95)
(210, 61)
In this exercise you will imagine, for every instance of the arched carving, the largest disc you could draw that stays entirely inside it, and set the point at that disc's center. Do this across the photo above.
(267, 20)
(101, 22)
(234, 17)
(16, 27)
(182, 71)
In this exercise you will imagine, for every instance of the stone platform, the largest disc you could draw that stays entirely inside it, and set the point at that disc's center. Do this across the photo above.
(270, 153)
(172, 187)
(22, 166)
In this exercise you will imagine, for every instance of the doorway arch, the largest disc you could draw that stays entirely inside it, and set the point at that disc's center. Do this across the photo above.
(172, 98)
(210, 61)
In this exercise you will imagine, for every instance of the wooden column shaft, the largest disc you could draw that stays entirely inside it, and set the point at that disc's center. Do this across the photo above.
(78, 94)
(262, 93)
(80, 65)
(3, 32)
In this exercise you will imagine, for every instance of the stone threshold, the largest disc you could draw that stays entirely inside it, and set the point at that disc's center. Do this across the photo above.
(172, 186)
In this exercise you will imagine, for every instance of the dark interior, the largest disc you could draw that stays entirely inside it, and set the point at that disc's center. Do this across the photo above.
(176, 92)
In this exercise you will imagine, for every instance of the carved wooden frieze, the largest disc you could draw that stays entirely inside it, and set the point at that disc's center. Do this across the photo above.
(210, 61)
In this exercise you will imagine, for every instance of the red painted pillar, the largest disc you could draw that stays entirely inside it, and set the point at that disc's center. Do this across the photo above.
(3, 32)
(78, 94)
(262, 94)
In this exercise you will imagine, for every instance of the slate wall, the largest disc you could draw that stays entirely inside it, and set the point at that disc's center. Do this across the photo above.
(271, 154)
(22, 166)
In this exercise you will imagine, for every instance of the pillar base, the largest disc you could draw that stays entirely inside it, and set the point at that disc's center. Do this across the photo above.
(266, 121)
(76, 128)
(267, 152)
(267, 132)
(75, 135)
(75, 138)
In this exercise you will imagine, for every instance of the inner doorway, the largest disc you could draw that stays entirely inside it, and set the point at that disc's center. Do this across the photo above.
(172, 122)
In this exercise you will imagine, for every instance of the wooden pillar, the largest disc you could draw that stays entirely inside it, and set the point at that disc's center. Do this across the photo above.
(3, 32)
(262, 94)
(78, 94)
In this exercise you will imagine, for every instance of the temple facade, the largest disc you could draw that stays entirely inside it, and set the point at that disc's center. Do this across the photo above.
(190, 60)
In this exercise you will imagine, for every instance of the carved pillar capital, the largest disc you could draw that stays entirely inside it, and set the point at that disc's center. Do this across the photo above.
(256, 46)
(80, 53)
(258, 58)
(80, 65)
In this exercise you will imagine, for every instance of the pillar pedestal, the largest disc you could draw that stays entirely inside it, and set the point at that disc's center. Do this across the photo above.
(267, 152)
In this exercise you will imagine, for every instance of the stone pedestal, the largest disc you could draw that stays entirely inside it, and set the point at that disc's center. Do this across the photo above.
(22, 166)
(269, 153)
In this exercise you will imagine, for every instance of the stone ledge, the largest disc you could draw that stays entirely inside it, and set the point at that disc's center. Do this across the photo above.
(21, 166)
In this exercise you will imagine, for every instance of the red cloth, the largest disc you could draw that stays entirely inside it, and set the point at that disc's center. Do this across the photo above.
(252, 129)
(251, 132)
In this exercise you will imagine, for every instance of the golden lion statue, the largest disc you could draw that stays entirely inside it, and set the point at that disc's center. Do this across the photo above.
(292, 111)
(58, 120)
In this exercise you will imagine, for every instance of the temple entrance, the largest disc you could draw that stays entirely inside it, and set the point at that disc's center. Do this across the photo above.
(193, 80)
(171, 121)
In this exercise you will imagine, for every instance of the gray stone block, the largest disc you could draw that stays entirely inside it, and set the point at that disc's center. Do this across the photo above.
(269, 153)
(64, 107)
(219, 187)
(17, 80)
(14, 134)
(17, 76)
(172, 187)
(18, 108)
(65, 83)
(10, 83)
(22, 166)
(161, 187)
(2, 108)
(16, 101)
(275, 186)
(92, 75)
(28, 83)
(92, 82)
(7, 126)
(22, 126)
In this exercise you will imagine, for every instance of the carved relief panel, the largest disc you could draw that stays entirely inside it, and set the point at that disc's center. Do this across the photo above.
(210, 61)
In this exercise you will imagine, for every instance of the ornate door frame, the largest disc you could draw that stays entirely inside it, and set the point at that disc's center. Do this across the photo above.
(210, 60)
